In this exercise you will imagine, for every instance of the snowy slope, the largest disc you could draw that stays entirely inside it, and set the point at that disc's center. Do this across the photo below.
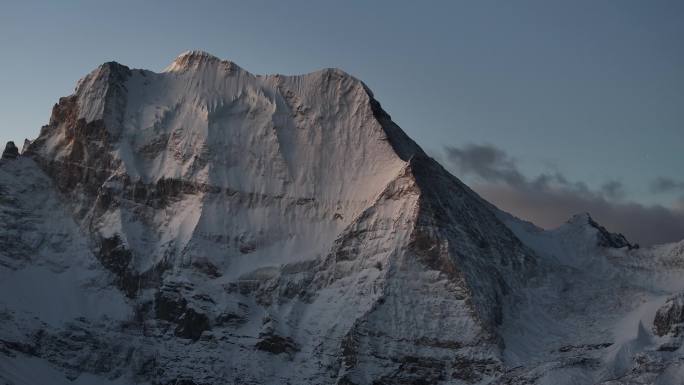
(591, 316)
(205, 225)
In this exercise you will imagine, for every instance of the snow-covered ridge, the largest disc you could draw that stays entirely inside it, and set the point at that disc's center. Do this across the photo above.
(177, 121)
(602, 310)
(194, 59)
(310, 141)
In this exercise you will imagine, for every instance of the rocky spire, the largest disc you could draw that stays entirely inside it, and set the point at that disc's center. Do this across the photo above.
(11, 151)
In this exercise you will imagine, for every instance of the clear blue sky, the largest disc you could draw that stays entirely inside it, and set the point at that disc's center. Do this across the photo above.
(594, 89)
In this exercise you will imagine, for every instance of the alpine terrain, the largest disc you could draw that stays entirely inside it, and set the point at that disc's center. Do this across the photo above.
(205, 225)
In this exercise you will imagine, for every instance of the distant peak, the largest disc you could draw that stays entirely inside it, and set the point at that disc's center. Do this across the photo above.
(196, 53)
(581, 219)
(195, 59)
(605, 237)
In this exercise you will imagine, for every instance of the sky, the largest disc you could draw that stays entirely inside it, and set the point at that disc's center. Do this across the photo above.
(585, 97)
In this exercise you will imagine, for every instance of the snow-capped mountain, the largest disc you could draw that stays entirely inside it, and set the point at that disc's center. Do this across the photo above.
(205, 225)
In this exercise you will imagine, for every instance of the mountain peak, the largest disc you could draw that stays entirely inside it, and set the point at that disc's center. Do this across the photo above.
(605, 237)
(581, 219)
(194, 59)
(196, 53)
(206, 225)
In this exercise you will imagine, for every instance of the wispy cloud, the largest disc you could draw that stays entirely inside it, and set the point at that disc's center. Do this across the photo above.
(613, 189)
(487, 162)
(550, 198)
(664, 185)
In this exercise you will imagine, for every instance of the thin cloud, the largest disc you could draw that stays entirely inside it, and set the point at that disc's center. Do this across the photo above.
(664, 185)
(613, 189)
(550, 198)
(488, 162)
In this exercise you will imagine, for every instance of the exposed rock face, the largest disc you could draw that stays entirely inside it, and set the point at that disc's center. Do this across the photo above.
(11, 151)
(172, 306)
(608, 239)
(215, 226)
(670, 317)
(276, 344)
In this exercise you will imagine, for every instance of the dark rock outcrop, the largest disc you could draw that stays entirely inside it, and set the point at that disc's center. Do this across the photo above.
(608, 239)
(670, 317)
(415, 370)
(11, 151)
(171, 306)
(276, 344)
